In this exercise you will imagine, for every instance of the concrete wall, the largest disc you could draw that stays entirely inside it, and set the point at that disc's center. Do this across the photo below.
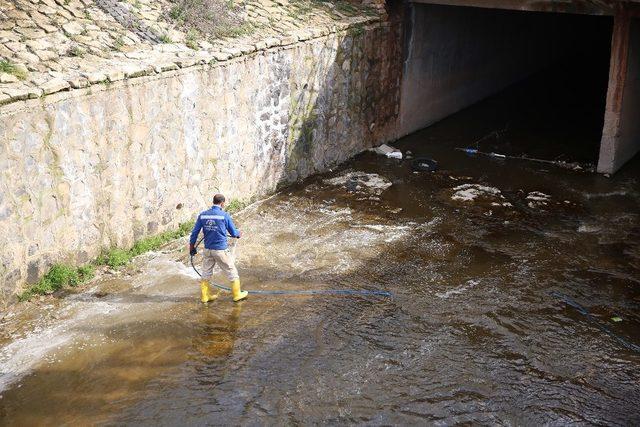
(588, 7)
(621, 133)
(456, 56)
(104, 166)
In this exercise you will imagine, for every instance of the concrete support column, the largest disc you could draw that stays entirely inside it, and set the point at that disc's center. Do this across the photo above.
(621, 131)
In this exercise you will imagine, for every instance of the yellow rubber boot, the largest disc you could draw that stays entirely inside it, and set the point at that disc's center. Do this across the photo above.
(205, 292)
(238, 295)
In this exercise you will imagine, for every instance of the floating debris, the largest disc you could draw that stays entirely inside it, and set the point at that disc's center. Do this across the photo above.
(587, 167)
(389, 151)
(361, 182)
(424, 164)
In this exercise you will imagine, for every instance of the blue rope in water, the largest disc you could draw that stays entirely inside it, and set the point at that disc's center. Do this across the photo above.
(350, 292)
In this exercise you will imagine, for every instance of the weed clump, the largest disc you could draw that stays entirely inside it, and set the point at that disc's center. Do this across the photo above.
(58, 277)
(208, 18)
(192, 39)
(63, 275)
(11, 68)
(118, 257)
(237, 205)
(164, 38)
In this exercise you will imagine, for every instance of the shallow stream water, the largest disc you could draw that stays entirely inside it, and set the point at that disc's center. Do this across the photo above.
(506, 276)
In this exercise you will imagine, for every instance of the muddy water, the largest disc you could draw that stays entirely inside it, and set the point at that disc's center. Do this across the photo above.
(505, 278)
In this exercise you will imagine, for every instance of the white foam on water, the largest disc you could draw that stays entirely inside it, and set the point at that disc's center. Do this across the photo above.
(23, 354)
(537, 199)
(459, 290)
(607, 194)
(586, 228)
(368, 182)
(538, 196)
(470, 192)
(29, 350)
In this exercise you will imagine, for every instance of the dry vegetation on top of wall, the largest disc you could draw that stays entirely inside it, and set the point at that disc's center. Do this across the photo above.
(211, 20)
(49, 46)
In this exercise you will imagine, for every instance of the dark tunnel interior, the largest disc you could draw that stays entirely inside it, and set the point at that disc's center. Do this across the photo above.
(557, 113)
(537, 81)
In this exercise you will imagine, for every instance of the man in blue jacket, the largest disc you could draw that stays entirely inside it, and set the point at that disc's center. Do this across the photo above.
(215, 223)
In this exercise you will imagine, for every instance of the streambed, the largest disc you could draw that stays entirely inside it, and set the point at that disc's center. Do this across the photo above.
(475, 254)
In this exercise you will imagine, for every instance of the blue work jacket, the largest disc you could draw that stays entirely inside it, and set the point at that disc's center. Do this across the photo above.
(214, 223)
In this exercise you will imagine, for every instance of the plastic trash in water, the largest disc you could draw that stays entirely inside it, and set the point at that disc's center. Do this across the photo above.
(616, 319)
(389, 151)
(424, 164)
(394, 155)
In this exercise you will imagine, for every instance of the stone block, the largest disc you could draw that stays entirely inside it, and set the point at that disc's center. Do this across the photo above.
(137, 70)
(8, 78)
(182, 63)
(221, 56)
(17, 94)
(46, 55)
(34, 92)
(114, 75)
(54, 85)
(73, 28)
(33, 272)
(288, 40)
(95, 77)
(166, 66)
(79, 82)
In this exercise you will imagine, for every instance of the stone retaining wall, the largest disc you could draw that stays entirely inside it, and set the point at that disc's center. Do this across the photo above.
(106, 165)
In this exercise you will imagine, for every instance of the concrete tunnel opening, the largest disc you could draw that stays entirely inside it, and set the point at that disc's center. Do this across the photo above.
(545, 74)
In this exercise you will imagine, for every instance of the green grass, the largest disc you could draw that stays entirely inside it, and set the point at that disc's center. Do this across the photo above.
(10, 68)
(86, 272)
(192, 39)
(76, 51)
(118, 257)
(237, 205)
(164, 38)
(346, 8)
(58, 277)
(114, 257)
(233, 30)
(176, 12)
(356, 30)
(118, 43)
(63, 275)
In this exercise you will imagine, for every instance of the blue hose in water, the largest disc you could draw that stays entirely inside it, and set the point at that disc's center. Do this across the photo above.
(582, 310)
(350, 292)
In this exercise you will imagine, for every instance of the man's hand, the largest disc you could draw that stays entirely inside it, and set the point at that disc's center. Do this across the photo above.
(239, 234)
(192, 250)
